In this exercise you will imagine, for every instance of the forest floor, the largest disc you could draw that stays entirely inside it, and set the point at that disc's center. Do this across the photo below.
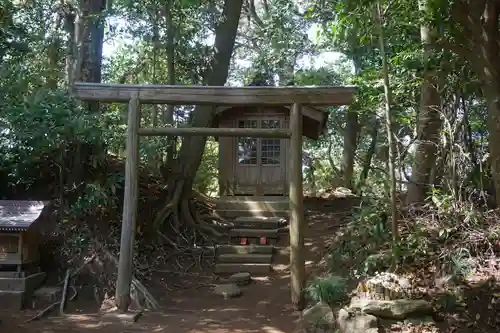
(189, 306)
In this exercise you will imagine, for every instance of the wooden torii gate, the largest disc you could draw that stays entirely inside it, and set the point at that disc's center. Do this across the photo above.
(135, 95)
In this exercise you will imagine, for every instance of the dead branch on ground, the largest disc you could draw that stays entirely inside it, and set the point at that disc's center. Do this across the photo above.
(64, 292)
(51, 307)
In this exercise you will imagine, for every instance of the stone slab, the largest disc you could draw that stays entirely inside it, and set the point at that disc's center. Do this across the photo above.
(125, 318)
(254, 269)
(268, 233)
(245, 258)
(245, 249)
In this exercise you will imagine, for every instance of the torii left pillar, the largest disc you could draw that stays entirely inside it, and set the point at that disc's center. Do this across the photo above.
(125, 264)
(297, 220)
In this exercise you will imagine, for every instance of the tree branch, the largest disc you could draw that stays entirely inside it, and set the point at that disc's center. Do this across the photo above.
(250, 11)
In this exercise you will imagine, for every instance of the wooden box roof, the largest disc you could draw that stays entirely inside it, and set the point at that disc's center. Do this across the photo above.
(17, 216)
(313, 120)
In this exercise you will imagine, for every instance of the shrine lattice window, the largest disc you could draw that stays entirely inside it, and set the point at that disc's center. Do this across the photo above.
(270, 148)
(247, 147)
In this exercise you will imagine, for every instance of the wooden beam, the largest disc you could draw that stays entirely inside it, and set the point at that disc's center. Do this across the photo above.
(221, 132)
(297, 223)
(210, 95)
(131, 194)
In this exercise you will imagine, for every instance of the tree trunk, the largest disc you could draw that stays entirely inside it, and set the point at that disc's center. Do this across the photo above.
(53, 57)
(91, 71)
(476, 40)
(169, 114)
(86, 65)
(191, 152)
(369, 156)
(493, 100)
(350, 143)
(388, 125)
(429, 124)
(351, 130)
(490, 74)
(156, 42)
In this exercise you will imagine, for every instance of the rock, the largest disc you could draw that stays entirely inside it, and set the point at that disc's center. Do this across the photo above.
(351, 322)
(479, 281)
(384, 286)
(343, 192)
(318, 318)
(227, 290)
(128, 317)
(427, 320)
(395, 309)
(241, 279)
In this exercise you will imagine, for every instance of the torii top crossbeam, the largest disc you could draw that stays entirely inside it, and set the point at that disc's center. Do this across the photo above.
(215, 95)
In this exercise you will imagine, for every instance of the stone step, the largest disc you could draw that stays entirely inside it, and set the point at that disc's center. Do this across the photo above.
(254, 233)
(28, 283)
(234, 213)
(254, 269)
(266, 204)
(245, 258)
(259, 222)
(244, 249)
(12, 300)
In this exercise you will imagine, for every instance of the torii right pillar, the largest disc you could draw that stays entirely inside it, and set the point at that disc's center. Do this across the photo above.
(297, 220)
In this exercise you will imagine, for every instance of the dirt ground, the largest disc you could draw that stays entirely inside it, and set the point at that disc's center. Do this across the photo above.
(191, 307)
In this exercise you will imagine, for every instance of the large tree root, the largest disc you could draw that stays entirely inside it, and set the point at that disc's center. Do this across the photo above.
(182, 216)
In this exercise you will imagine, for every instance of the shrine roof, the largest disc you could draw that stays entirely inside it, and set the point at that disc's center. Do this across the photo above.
(16, 215)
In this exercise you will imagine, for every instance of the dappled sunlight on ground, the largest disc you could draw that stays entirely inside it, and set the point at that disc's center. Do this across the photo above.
(264, 307)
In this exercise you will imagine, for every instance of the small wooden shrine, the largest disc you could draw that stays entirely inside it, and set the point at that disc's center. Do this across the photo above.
(259, 166)
(20, 273)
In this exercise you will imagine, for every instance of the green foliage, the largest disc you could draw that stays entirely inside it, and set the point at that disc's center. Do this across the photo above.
(372, 221)
(43, 126)
(373, 263)
(364, 246)
(460, 263)
(329, 290)
(206, 180)
(39, 124)
(448, 234)
(95, 198)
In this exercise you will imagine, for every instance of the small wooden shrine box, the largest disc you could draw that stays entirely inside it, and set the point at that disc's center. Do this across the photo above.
(259, 166)
(19, 257)
(18, 235)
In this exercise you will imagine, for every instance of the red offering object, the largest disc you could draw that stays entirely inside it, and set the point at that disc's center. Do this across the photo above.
(243, 241)
(263, 241)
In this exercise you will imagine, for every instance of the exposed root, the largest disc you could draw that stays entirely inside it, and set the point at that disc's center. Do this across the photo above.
(181, 217)
(192, 217)
(202, 198)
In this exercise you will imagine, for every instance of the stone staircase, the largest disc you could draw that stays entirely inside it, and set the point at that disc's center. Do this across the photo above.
(257, 223)
(253, 206)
